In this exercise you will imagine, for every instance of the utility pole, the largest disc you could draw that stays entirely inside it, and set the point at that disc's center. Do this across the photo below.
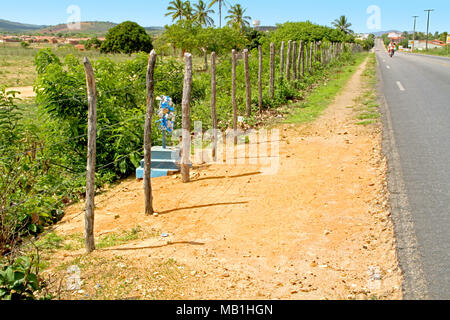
(414, 36)
(428, 25)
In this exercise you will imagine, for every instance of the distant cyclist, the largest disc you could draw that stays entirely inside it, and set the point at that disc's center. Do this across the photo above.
(391, 49)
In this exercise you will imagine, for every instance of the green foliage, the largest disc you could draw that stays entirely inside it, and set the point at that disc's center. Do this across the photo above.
(93, 43)
(31, 188)
(368, 43)
(25, 44)
(306, 31)
(19, 280)
(127, 37)
(343, 25)
(191, 37)
(121, 100)
(237, 18)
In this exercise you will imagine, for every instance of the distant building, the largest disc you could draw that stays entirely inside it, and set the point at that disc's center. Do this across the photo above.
(363, 36)
(265, 28)
(395, 37)
(432, 44)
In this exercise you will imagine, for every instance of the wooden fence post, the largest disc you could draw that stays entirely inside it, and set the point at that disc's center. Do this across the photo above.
(294, 59)
(148, 134)
(311, 58)
(186, 110)
(213, 105)
(233, 95)
(272, 70)
(205, 58)
(91, 156)
(260, 74)
(301, 58)
(248, 84)
(282, 59)
(288, 60)
(307, 52)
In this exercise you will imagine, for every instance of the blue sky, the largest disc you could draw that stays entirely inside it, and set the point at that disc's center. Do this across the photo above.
(395, 14)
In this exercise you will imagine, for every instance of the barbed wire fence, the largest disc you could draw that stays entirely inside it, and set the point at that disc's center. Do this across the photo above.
(299, 61)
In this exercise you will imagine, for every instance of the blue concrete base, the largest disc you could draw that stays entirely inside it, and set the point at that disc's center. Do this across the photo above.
(164, 161)
(156, 173)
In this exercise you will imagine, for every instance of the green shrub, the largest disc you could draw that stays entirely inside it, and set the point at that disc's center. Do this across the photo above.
(19, 280)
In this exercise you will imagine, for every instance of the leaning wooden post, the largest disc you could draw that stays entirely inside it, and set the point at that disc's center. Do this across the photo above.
(288, 60)
(91, 156)
(272, 70)
(282, 59)
(213, 105)
(248, 84)
(233, 95)
(148, 134)
(186, 111)
(260, 74)
(294, 60)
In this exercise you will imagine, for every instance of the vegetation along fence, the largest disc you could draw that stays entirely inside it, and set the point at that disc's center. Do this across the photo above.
(103, 119)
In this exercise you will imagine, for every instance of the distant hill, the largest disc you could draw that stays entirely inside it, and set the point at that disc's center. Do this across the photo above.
(97, 28)
(89, 27)
(14, 27)
(380, 33)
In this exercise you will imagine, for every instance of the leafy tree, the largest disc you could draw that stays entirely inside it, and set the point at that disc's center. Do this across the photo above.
(236, 18)
(306, 31)
(343, 24)
(254, 37)
(183, 34)
(93, 43)
(201, 14)
(222, 40)
(127, 37)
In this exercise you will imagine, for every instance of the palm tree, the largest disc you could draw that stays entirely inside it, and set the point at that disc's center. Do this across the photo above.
(201, 14)
(237, 18)
(188, 11)
(343, 25)
(221, 3)
(176, 9)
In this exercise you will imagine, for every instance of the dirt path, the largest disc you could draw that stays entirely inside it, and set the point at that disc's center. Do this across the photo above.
(24, 92)
(319, 229)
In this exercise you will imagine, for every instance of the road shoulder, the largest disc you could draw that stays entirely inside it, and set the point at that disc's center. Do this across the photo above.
(414, 283)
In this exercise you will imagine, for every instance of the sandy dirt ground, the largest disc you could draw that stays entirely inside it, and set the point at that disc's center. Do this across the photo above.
(24, 92)
(318, 229)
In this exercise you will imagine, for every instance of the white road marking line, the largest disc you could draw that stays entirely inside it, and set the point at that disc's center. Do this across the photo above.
(400, 86)
(388, 67)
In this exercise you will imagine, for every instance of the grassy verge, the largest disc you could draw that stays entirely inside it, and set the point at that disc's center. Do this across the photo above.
(319, 99)
(120, 277)
(366, 105)
(443, 52)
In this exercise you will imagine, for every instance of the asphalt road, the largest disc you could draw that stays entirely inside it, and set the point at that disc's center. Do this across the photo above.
(416, 94)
